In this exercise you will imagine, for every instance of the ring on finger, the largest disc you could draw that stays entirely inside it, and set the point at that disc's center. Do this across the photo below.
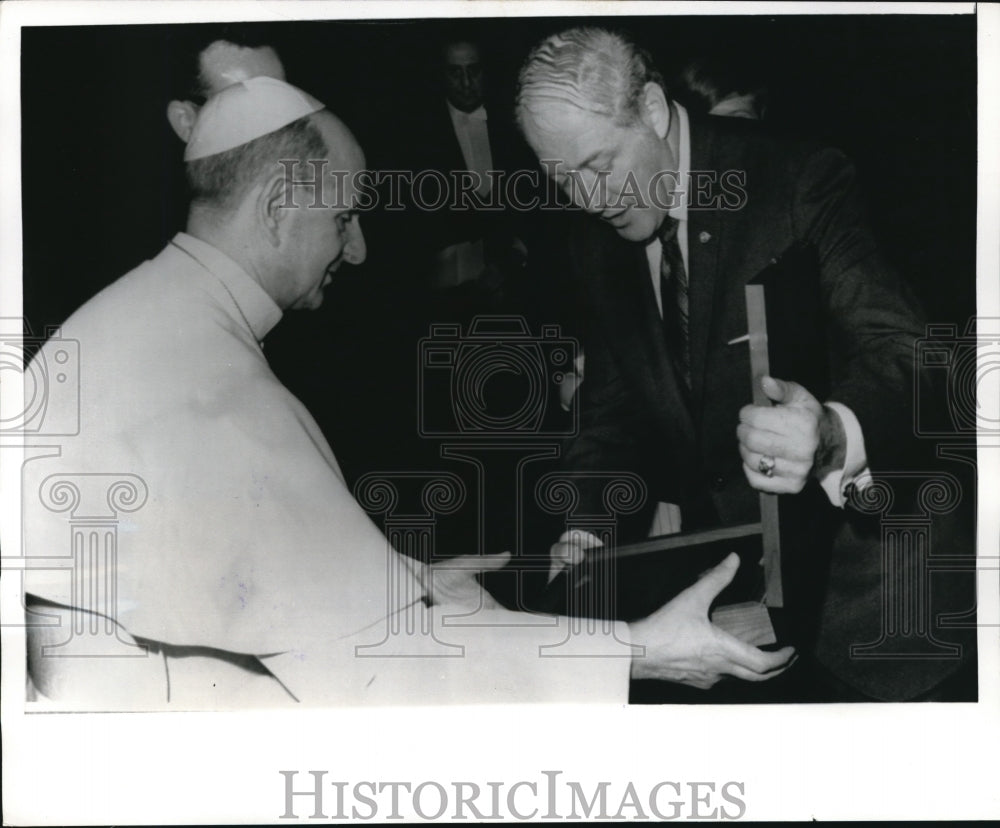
(766, 465)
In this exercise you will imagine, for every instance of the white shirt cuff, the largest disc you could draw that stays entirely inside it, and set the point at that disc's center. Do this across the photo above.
(855, 463)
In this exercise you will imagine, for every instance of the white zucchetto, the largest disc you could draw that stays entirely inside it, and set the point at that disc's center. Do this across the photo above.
(244, 111)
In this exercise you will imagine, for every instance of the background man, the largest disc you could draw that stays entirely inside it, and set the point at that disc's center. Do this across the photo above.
(249, 572)
(724, 83)
(215, 58)
(662, 277)
(461, 134)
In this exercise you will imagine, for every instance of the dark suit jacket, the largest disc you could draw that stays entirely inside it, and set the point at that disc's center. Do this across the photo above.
(433, 145)
(636, 416)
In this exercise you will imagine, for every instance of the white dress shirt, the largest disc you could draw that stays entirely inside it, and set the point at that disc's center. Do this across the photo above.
(465, 261)
(474, 139)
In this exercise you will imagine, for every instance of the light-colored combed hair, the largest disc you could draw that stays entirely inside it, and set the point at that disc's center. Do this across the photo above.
(595, 69)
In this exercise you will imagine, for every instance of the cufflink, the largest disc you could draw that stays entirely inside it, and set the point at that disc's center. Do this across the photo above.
(704, 236)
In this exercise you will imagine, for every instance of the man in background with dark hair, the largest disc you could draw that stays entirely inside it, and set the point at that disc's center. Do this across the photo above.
(723, 84)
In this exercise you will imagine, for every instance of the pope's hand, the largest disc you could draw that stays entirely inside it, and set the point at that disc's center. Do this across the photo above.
(787, 435)
(683, 646)
(453, 581)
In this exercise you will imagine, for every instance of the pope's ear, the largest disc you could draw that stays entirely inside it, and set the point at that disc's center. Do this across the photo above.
(182, 115)
(655, 109)
(275, 202)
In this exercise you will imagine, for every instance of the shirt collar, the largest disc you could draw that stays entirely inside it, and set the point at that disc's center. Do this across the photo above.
(477, 114)
(680, 209)
(257, 308)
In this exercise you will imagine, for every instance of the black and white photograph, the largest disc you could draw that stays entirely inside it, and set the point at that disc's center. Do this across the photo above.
(401, 398)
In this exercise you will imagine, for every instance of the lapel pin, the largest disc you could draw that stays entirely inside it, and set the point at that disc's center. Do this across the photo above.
(704, 236)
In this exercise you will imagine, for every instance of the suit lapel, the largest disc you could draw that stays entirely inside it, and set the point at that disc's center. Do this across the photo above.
(623, 299)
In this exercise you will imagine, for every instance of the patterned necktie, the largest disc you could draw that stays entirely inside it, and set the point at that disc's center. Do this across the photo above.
(674, 297)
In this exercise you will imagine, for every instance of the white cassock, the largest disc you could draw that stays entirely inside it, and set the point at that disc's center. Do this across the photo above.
(248, 540)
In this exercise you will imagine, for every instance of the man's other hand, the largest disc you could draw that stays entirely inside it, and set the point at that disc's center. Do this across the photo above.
(798, 436)
(683, 646)
(453, 581)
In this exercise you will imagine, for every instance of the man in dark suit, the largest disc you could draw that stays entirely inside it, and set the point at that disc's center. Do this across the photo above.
(689, 211)
(462, 147)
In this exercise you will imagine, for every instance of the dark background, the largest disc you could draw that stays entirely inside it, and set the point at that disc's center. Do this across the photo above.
(102, 168)
(102, 171)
